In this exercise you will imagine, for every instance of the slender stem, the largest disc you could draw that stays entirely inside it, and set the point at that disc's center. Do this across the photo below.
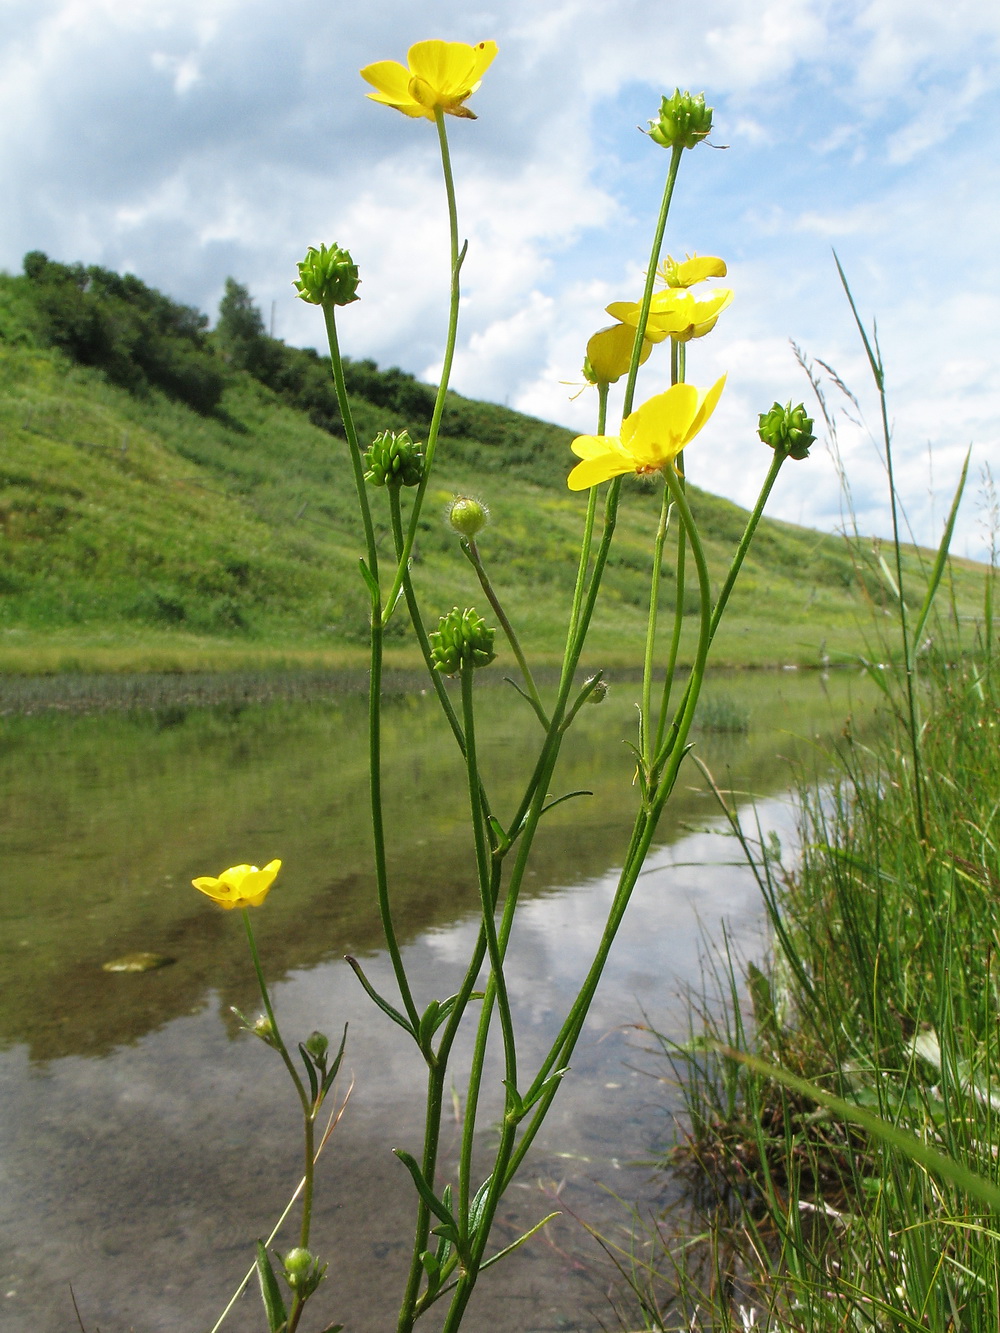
(654, 259)
(421, 1233)
(357, 464)
(279, 1044)
(375, 676)
(471, 550)
(588, 526)
(909, 649)
(449, 355)
(645, 715)
(735, 566)
(378, 824)
(485, 879)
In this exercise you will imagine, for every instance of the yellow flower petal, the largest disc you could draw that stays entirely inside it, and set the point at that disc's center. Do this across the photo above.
(592, 471)
(675, 313)
(440, 75)
(609, 352)
(652, 436)
(239, 886)
(695, 268)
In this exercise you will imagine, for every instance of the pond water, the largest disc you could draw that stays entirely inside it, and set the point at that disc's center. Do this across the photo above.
(145, 1141)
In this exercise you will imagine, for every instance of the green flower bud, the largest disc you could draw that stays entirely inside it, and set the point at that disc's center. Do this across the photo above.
(394, 460)
(317, 1045)
(302, 1271)
(467, 516)
(684, 119)
(264, 1028)
(787, 429)
(328, 277)
(599, 693)
(461, 637)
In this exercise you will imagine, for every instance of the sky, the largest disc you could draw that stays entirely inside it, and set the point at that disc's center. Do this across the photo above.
(191, 140)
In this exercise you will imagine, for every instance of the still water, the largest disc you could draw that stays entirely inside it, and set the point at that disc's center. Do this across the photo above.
(145, 1141)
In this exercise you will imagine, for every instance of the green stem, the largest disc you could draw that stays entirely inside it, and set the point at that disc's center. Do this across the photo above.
(654, 259)
(421, 1233)
(483, 863)
(909, 648)
(308, 1109)
(457, 258)
(472, 552)
(735, 566)
(588, 526)
(378, 825)
(645, 714)
(354, 448)
(279, 1044)
(375, 677)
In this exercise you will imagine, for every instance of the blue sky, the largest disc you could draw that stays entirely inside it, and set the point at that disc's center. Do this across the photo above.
(188, 140)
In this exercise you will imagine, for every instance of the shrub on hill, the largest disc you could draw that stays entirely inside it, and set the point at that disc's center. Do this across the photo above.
(137, 336)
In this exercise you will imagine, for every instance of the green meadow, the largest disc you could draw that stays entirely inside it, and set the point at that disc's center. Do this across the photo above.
(179, 500)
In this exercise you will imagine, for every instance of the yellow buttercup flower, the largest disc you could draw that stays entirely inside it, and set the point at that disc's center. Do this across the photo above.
(695, 268)
(440, 74)
(239, 886)
(675, 313)
(609, 354)
(651, 438)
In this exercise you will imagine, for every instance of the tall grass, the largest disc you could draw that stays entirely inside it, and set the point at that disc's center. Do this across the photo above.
(844, 1100)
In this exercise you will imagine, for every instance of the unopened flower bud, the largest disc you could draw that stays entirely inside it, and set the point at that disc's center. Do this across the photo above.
(467, 515)
(394, 460)
(317, 1044)
(684, 120)
(599, 692)
(328, 277)
(787, 429)
(302, 1271)
(462, 637)
(264, 1028)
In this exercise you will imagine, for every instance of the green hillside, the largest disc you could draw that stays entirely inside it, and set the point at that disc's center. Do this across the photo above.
(177, 499)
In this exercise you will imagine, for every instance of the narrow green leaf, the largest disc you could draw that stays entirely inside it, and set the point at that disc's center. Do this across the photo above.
(371, 582)
(559, 800)
(942, 557)
(310, 1071)
(335, 1067)
(270, 1292)
(888, 576)
(425, 1191)
(509, 1249)
(373, 994)
(979, 1187)
(428, 1024)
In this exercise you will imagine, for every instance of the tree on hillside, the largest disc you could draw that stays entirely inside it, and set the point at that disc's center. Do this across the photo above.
(241, 336)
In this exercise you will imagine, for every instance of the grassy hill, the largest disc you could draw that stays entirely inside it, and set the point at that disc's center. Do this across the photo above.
(174, 499)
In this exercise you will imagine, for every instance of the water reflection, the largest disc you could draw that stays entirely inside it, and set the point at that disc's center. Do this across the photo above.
(142, 1176)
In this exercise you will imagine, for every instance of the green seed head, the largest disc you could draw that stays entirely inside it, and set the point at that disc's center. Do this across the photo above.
(328, 277)
(467, 516)
(462, 638)
(787, 429)
(684, 119)
(394, 460)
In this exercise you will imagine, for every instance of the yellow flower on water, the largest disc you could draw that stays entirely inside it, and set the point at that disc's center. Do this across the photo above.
(609, 354)
(239, 886)
(652, 436)
(675, 313)
(695, 268)
(440, 74)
